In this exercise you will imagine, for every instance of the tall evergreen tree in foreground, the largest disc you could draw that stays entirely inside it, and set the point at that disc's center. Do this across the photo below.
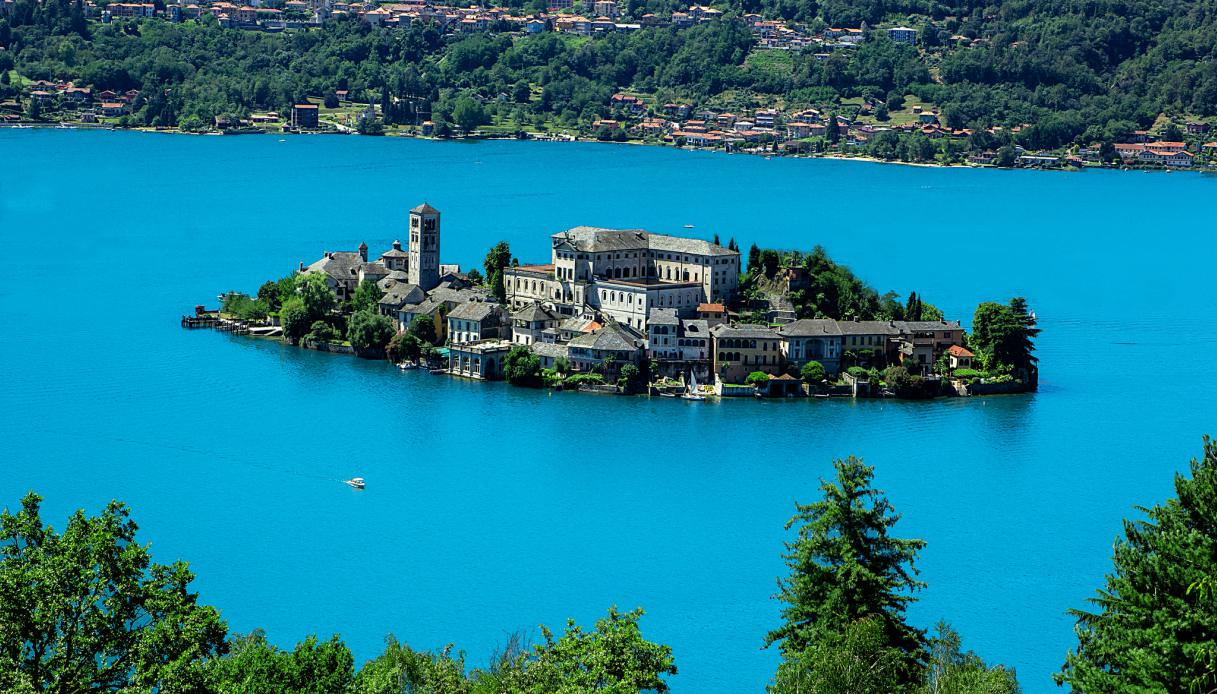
(850, 582)
(1155, 624)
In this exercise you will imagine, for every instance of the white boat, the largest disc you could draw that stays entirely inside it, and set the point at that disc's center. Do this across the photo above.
(692, 393)
(407, 365)
(356, 482)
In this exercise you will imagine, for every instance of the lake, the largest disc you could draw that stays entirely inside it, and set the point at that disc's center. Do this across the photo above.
(491, 509)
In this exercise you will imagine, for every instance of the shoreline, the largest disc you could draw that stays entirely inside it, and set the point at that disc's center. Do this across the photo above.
(570, 138)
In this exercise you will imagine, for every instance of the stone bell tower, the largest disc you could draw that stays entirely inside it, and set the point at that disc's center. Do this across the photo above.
(424, 247)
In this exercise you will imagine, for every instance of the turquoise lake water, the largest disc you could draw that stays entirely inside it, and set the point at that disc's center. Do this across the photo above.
(490, 509)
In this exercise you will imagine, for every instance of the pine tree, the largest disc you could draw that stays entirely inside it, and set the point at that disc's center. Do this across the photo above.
(1155, 627)
(716, 241)
(754, 257)
(845, 567)
(1024, 339)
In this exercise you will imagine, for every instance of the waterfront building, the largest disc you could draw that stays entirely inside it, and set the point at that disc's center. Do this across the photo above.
(623, 273)
(812, 340)
(477, 320)
(304, 116)
(922, 342)
(423, 260)
(663, 329)
(740, 349)
(550, 353)
(481, 360)
(869, 342)
(439, 302)
(960, 357)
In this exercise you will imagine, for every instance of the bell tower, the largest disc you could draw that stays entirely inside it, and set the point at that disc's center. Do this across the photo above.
(423, 269)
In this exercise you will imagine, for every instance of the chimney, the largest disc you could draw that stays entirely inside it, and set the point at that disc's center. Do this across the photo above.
(363, 252)
(397, 245)
(301, 266)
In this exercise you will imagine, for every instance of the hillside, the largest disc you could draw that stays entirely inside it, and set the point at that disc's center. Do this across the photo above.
(1054, 73)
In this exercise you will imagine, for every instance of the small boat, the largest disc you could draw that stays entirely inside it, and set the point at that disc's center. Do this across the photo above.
(354, 482)
(820, 395)
(688, 226)
(692, 393)
(407, 365)
(667, 395)
(437, 371)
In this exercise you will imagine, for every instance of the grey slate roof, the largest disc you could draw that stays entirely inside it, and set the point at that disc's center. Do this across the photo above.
(425, 209)
(599, 240)
(746, 330)
(545, 349)
(613, 337)
(341, 265)
(811, 327)
(663, 316)
(395, 252)
(927, 325)
(534, 313)
(402, 294)
(474, 310)
(695, 327)
(867, 327)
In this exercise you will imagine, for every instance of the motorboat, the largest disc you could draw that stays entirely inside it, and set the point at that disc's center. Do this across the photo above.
(405, 365)
(354, 482)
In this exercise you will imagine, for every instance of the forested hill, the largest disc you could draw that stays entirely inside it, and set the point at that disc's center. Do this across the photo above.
(1079, 71)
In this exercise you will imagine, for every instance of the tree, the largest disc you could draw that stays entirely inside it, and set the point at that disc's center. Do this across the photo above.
(812, 372)
(613, 658)
(88, 610)
(629, 377)
(858, 661)
(844, 567)
(754, 258)
(330, 100)
(757, 379)
(496, 260)
(404, 347)
(1006, 157)
(832, 133)
(475, 276)
(1151, 630)
(770, 260)
(318, 298)
(268, 294)
(522, 368)
(423, 328)
(254, 666)
(369, 333)
(294, 319)
(320, 331)
(367, 296)
(468, 114)
(1003, 335)
(951, 671)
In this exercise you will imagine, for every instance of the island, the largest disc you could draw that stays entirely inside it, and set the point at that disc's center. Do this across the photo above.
(630, 311)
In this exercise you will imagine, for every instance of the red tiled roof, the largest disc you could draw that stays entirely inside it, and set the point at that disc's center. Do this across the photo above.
(711, 308)
(956, 350)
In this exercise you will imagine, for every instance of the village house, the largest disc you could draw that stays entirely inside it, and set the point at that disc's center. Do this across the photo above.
(922, 342)
(903, 35)
(810, 339)
(344, 270)
(610, 347)
(477, 320)
(869, 342)
(959, 357)
(738, 350)
(530, 324)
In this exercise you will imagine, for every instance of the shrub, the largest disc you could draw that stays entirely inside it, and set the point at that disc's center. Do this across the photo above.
(812, 372)
(590, 379)
(522, 368)
(757, 378)
(970, 373)
(857, 372)
(321, 331)
(369, 333)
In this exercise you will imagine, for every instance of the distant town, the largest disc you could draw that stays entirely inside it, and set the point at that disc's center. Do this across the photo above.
(612, 310)
(856, 130)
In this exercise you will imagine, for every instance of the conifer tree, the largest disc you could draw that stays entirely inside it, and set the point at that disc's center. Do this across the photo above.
(846, 567)
(1154, 626)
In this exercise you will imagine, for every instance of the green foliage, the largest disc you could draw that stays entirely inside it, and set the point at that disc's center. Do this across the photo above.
(318, 298)
(1003, 335)
(845, 566)
(403, 669)
(369, 333)
(321, 331)
(294, 318)
(613, 658)
(88, 610)
(404, 347)
(243, 307)
(254, 666)
(423, 328)
(629, 378)
(970, 373)
(857, 372)
(496, 260)
(813, 372)
(951, 671)
(588, 379)
(858, 661)
(367, 297)
(522, 368)
(468, 114)
(1150, 630)
(757, 378)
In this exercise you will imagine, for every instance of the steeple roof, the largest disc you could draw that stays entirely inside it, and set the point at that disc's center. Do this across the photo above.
(425, 209)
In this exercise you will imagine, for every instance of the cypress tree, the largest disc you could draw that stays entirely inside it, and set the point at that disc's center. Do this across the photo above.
(754, 257)
(845, 567)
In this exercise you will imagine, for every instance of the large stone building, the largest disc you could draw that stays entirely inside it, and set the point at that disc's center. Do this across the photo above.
(623, 273)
